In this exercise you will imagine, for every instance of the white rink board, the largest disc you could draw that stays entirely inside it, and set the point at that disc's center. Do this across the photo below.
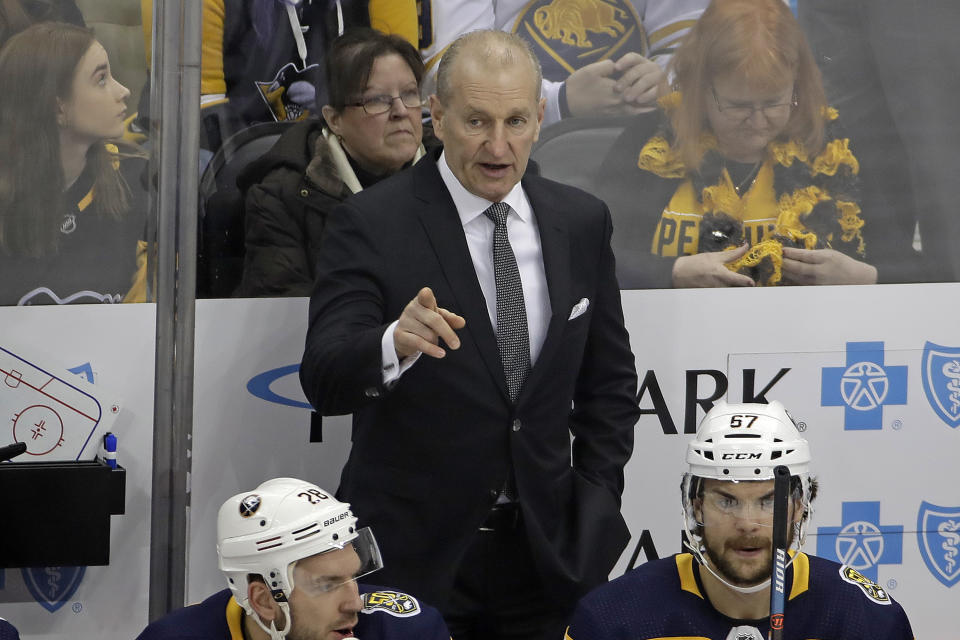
(672, 333)
(892, 470)
(240, 438)
(117, 342)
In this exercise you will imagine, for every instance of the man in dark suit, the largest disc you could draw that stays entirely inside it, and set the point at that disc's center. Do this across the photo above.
(465, 452)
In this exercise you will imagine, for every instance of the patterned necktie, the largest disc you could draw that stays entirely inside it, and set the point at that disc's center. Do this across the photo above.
(513, 339)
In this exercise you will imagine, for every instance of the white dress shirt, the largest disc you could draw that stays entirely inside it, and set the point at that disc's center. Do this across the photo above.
(478, 229)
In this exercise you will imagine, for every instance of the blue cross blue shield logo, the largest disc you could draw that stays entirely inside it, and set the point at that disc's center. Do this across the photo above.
(861, 542)
(941, 381)
(938, 535)
(53, 586)
(863, 386)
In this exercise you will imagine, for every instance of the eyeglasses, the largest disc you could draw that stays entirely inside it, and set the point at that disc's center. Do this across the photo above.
(762, 508)
(375, 105)
(743, 112)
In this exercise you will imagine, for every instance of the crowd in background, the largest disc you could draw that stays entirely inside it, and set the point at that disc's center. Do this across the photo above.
(723, 143)
(881, 75)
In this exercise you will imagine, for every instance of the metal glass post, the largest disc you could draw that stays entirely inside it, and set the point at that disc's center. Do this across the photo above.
(175, 112)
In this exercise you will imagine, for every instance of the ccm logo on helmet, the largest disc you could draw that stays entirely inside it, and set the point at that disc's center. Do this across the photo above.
(741, 456)
(345, 514)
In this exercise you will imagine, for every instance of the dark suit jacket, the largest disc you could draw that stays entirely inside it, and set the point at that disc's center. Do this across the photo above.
(429, 453)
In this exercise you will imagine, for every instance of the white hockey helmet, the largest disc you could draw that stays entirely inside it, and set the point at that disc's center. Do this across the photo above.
(267, 530)
(743, 443)
(746, 442)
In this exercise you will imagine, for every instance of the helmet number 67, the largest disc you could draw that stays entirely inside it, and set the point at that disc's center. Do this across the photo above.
(742, 420)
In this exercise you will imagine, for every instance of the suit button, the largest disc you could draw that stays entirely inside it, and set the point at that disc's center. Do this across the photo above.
(372, 392)
(517, 424)
(304, 193)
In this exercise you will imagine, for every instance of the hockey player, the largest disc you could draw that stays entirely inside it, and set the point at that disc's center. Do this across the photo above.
(292, 556)
(720, 589)
(8, 631)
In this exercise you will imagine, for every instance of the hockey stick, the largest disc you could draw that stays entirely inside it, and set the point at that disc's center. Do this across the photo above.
(781, 504)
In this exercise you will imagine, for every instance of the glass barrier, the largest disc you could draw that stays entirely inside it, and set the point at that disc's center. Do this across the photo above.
(74, 203)
(858, 94)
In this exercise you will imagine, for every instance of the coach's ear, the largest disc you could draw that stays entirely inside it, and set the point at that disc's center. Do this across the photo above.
(436, 115)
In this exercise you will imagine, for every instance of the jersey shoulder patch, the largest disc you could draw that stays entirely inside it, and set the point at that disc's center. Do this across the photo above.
(871, 589)
(394, 603)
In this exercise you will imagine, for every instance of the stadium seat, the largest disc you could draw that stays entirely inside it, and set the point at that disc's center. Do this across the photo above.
(221, 245)
(572, 150)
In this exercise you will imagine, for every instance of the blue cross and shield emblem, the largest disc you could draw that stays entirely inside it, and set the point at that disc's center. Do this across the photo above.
(52, 586)
(938, 536)
(941, 381)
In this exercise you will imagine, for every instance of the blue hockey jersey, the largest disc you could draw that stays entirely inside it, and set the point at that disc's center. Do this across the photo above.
(665, 599)
(386, 615)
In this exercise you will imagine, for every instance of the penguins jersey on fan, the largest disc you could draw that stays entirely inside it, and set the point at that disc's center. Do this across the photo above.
(565, 34)
(386, 615)
(665, 599)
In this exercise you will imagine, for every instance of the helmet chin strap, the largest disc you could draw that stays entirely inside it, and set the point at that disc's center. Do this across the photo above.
(272, 630)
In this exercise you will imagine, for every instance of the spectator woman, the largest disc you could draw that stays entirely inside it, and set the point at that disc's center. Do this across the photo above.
(741, 178)
(69, 225)
(371, 128)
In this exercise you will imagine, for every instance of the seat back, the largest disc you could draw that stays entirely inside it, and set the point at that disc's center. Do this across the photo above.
(571, 150)
(221, 245)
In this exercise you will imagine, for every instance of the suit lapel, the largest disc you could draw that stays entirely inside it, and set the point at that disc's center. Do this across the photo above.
(440, 222)
(555, 245)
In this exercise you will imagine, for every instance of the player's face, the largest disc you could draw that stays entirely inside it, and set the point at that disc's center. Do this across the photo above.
(489, 124)
(97, 104)
(324, 603)
(738, 529)
(382, 142)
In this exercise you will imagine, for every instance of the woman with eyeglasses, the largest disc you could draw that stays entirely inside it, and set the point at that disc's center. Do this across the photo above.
(371, 129)
(742, 177)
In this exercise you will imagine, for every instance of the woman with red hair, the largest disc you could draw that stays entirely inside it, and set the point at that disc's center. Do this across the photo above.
(741, 178)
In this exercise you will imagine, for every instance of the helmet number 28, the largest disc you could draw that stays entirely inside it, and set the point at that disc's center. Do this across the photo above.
(313, 496)
(742, 420)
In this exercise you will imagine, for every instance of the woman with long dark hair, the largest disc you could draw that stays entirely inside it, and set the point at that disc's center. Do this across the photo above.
(68, 223)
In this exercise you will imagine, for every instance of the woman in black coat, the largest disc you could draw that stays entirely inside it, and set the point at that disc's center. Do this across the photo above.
(371, 129)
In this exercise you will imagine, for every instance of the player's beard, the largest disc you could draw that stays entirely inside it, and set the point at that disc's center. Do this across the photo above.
(735, 570)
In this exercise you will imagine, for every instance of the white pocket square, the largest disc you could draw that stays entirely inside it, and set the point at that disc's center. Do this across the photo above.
(579, 309)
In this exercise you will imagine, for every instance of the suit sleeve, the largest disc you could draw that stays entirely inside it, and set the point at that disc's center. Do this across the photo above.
(605, 407)
(341, 367)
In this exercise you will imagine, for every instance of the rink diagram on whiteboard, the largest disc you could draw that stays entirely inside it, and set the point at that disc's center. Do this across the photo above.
(58, 416)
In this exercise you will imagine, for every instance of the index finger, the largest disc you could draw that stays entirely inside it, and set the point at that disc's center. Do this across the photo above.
(735, 254)
(627, 60)
(801, 255)
(602, 68)
(426, 299)
(442, 322)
